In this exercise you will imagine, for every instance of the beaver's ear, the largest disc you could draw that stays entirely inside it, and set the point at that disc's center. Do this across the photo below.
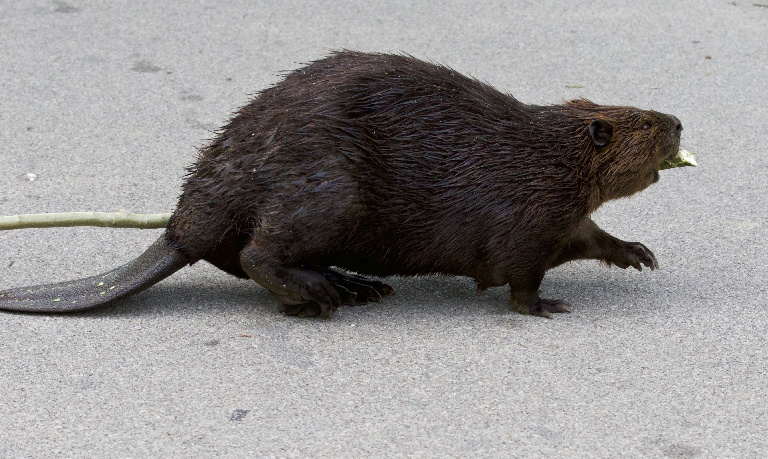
(601, 132)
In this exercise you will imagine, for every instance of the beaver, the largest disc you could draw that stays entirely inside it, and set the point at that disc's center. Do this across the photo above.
(362, 164)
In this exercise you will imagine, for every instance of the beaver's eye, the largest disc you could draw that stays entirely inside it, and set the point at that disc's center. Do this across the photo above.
(646, 126)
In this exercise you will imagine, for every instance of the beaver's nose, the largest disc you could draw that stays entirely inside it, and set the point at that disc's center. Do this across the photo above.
(676, 123)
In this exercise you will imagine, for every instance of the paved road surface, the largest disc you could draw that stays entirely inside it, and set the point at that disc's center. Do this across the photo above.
(105, 102)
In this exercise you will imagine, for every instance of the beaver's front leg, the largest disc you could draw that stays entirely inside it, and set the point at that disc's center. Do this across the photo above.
(524, 296)
(589, 241)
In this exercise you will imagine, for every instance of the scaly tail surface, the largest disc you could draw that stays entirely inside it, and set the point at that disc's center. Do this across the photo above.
(159, 261)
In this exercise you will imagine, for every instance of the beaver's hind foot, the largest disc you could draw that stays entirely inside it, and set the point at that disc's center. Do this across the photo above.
(355, 290)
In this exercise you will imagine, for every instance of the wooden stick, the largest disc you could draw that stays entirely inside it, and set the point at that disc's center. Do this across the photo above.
(104, 219)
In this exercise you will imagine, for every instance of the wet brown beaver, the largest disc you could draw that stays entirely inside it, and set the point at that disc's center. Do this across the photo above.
(386, 165)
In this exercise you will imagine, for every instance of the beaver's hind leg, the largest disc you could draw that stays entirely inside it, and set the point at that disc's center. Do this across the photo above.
(355, 290)
(301, 292)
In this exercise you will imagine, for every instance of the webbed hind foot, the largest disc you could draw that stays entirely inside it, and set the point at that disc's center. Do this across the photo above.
(355, 290)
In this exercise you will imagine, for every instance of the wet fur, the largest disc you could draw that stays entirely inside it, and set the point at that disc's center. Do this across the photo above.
(387, 165)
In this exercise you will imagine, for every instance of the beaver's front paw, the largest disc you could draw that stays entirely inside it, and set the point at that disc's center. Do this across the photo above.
(539, 306)
(636, 254)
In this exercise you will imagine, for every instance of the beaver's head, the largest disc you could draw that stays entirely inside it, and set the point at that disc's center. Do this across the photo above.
(628, 145)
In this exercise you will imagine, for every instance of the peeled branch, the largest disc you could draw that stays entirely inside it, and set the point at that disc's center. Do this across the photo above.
(683, 158)
(105, 219)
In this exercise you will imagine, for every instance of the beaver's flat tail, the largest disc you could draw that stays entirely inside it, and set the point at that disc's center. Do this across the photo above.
(159, 261)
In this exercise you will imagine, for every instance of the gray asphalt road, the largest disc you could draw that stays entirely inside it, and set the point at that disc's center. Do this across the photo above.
(105, 102)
